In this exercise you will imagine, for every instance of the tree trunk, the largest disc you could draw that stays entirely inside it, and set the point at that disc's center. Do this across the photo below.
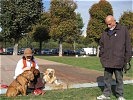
(60, 48)
(40, 47)
(1, 44)
(74, 46)
(98, 51)
(15, 49)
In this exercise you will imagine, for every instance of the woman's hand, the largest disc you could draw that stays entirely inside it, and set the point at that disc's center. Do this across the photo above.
(27, 68)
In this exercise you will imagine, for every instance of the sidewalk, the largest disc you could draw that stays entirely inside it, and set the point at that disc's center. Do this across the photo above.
(71, 77)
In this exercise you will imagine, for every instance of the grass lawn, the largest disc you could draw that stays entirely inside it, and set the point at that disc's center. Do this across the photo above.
(84, 62)
(81, 93)
(72, 94)
(91, 62)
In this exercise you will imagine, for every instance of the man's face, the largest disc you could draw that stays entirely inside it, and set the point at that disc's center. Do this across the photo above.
(110, 23)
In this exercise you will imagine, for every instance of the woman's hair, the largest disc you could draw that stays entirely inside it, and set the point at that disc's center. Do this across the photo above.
(24, 58)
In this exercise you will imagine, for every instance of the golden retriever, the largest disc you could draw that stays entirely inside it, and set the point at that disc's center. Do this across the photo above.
(49, 76)
(19, 85)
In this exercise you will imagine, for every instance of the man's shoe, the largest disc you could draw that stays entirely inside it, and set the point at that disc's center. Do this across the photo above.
(103, 97)
(121, 98)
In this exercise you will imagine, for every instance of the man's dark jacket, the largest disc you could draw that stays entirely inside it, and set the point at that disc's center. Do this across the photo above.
(115, 48)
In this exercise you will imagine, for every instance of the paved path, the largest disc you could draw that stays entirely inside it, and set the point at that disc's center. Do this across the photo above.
(8, 65)
(69, 75)
(64, 72)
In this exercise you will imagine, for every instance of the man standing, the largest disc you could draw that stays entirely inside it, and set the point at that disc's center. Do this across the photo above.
(115, 53)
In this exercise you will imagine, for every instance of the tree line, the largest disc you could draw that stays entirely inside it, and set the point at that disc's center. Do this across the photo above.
(27, 19)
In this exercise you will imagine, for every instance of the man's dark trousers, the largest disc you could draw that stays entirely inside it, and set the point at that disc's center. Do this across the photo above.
(108, 73)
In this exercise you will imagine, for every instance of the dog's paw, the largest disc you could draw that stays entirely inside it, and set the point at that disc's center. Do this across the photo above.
(57, 82)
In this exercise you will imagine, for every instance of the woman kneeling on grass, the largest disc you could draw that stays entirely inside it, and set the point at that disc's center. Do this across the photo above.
(26, 63)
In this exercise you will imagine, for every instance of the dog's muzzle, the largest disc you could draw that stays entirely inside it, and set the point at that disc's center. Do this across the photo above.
(50, 75)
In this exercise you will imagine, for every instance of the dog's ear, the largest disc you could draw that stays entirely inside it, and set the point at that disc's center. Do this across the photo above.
(32, 69)
(36, 72)
(46, 72)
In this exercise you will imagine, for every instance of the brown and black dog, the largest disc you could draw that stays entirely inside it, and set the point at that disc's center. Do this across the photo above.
(19, 85)
(36, 73)
(37, 82)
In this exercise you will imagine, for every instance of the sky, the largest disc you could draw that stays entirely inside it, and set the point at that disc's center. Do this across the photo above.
(119, 6)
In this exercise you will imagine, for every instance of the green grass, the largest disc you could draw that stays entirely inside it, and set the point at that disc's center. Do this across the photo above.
(72, 94)
(83, 62)
(91, 62)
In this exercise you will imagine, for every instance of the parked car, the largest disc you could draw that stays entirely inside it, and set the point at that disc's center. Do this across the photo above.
(90, 51)
(1, 50)
(21, 51)
(36, 51)
(46, 51)
(80, 52)
(55, 51)
(68, 52)
(9, 51)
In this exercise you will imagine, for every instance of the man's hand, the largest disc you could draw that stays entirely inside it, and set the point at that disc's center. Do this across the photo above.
(127, 66)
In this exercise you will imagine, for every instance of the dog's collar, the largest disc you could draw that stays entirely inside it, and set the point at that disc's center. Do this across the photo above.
(18, 82)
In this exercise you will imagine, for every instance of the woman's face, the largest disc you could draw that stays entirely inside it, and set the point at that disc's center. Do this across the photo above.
(28, 58)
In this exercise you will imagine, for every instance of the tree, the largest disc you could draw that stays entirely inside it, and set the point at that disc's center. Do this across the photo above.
(96, 25)
(40, 31)
(1, 41)
(79, 22)
(127, 20)
(63, 21)
(17, 17)
(1, 38)
(72, 39)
